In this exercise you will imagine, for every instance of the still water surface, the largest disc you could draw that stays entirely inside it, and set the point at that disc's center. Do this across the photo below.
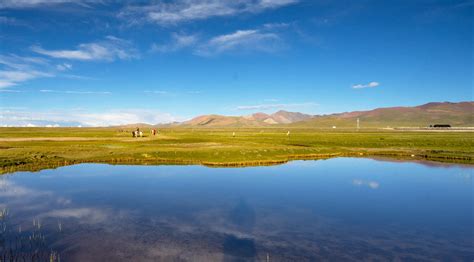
(337, 209)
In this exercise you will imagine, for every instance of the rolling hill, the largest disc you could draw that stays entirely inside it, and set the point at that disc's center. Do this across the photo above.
(455, 114)
(254, 120)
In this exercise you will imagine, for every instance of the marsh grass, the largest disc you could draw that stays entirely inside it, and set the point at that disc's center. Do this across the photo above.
(24, 245)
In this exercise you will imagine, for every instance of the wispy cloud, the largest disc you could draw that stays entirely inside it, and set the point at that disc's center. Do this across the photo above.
(175, 12)
(84, 214)
(265, 38)
(63, 66)
(276, 106)
(241, 41)
(11, 189)
(6, 20)
(109, 49)
(270, 100)
(172, 93)
(16, 69)
(273, 26)
(370, 184)
(28, 117)
(75, 92)
(9, 91)
(39, 3)
(72, 76)
(157, 92)
(178, 42)
(10, 78)
(371, 84)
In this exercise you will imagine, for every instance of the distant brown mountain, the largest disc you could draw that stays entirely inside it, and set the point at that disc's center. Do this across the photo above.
(455, 114)
(254, 120)
(285, 117)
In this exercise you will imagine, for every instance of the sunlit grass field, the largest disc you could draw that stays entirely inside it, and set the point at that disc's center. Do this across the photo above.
(38, 148)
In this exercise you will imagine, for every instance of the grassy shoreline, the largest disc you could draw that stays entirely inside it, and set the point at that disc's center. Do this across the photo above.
(32, 149)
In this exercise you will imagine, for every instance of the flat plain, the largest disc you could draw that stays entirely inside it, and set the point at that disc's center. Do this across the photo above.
(38, 148)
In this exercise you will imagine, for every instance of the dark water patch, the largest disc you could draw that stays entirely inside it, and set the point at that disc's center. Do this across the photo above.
(239, 249)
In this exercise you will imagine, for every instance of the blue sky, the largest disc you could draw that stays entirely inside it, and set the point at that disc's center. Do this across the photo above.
(79, 62)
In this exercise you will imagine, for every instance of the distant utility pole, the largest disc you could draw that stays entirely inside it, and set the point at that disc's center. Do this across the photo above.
(358, 123)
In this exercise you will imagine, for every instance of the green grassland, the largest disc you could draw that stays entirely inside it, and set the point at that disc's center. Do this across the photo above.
(39, 148)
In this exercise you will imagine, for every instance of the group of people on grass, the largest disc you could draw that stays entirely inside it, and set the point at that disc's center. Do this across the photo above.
(138, 133)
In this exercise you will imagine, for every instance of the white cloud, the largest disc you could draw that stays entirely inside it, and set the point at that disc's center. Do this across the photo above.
(265, 39)
(16, 69)
(9, 78)
(276, 25)
(6, 83)
(76, 92)
(11, 189)
(164, 92)
(38, 3)
(275, 106)
(19, 117)
(88, 92)
(8, 90)
(371, 84)
(109, 49)
(125, 117)
(72, 76)
(5, 20)
(241, 40)
(13, 77)
(370, 184)
(21, 62)
(178, 41)
(189, 10)
(16, 76)
(64, 67)
(271, 100)
(85, 214)
(158, 92)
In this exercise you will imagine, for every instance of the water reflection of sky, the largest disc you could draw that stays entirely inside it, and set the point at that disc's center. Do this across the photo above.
(336, 209)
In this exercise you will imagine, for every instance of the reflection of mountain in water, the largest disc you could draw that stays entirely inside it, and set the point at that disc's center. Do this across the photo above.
(243, 216)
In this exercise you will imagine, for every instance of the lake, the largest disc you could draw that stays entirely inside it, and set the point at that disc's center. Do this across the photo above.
(336, 209)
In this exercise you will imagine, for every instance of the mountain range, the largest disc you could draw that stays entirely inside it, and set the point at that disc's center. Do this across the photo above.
(455, 114)
(254, 120)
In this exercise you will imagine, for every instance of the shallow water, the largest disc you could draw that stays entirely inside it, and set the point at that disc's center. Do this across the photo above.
(337, 209)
